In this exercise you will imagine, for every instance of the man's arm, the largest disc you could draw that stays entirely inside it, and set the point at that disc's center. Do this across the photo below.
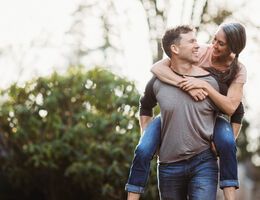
(144, 121)
(236, 129)
(147, 102)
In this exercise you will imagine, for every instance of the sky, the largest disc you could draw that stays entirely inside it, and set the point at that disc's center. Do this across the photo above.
(36, 22)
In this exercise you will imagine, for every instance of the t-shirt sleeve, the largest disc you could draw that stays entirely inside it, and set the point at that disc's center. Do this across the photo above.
(241, 75)
(148, 101)
(238, 114)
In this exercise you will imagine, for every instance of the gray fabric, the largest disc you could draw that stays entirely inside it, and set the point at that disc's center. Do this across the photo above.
(187, 125)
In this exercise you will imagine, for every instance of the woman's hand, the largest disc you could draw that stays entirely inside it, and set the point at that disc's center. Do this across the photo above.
(189, 83)
(198, 94)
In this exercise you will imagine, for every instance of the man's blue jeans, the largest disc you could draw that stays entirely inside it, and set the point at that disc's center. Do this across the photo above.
(194, 179)
(149, 142)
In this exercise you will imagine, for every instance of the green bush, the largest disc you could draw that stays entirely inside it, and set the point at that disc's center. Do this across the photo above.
(70, 136)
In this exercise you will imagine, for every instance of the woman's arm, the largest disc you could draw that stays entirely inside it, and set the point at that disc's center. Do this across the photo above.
(227, 104)
(163, 72)
(236, 129)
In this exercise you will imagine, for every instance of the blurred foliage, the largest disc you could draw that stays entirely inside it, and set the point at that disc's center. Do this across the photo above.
(70, 136)
(104, 41)
(156, 12)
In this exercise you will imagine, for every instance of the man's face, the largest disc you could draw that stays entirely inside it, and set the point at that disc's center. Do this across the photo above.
(188, 47)
(220, 46)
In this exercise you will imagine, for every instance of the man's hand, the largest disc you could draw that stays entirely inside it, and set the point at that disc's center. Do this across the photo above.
(198, 94)
(213, 148)
(189, 83)
(144, 121)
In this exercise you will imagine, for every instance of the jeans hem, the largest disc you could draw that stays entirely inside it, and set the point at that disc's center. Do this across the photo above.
(134, 188)
(229, 183)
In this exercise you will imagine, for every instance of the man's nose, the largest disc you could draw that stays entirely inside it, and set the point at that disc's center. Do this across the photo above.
(196, 46)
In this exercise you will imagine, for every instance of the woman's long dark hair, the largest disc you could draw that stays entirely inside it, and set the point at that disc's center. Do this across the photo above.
(236, 40)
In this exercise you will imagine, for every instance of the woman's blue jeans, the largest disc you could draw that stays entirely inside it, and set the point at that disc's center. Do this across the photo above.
(223, 139)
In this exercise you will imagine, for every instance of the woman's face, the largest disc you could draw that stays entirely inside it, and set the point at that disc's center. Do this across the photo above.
(220, 45)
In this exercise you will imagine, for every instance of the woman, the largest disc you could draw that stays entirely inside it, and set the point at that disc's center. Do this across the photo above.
(221, 58)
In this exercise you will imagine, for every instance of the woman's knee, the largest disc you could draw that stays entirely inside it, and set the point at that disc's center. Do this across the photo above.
(225, 143)
(143, 153)
(150, 140)
(223, 135)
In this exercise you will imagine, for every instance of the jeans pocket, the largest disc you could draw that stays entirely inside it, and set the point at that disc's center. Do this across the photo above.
(208, 156)
(164, 171)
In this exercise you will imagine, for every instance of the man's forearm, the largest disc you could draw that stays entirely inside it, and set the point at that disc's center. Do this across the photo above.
(144, 121)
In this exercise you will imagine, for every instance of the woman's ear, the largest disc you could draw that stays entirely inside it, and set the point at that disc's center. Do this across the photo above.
(174, 49)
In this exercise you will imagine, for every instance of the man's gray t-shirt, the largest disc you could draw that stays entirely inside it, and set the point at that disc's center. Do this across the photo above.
(187, 125)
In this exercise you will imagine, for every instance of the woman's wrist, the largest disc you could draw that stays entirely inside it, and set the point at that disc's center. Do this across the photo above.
(206, 86)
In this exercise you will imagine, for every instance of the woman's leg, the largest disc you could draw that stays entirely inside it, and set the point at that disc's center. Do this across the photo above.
(224, 141)
(144, 153)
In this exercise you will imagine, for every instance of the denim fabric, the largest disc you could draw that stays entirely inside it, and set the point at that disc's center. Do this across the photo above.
(193, 179)
(224, 141)
(144, 152)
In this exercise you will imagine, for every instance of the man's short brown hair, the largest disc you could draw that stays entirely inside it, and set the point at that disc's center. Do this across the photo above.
(172, 36)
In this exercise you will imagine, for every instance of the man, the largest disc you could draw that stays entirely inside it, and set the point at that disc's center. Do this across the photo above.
(187, 169)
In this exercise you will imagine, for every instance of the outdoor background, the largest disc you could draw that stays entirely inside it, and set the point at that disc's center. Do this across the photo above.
(72, 74)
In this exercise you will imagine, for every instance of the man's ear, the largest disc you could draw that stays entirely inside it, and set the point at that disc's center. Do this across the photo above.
(175, 49)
